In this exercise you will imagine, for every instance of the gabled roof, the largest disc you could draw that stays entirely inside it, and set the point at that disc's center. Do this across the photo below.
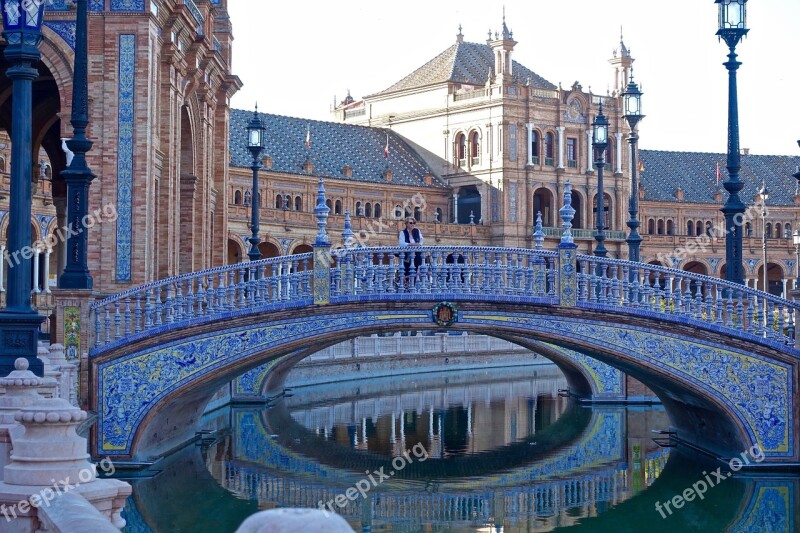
(696, 174)
(467, 63)
(333, 146)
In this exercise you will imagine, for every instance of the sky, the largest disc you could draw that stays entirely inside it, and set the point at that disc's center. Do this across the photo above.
(296, 58)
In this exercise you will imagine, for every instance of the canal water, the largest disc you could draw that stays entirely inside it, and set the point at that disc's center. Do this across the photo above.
(499, 450)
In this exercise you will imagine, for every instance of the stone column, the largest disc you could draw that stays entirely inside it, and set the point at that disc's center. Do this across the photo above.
(455, 207)
(47, 270)
(36, 289)
(589, 157)
(529, 127)
(22, 390)
(2, 265)
(618, 156)
(560, 130)
(784, 281)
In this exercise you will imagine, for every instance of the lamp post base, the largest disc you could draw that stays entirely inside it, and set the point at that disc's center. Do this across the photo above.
(19, 336)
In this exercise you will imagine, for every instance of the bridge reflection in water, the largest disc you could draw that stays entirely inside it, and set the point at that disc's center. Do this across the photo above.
(504, 451)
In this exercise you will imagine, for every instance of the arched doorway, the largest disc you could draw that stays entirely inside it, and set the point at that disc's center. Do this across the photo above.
(469, 203)
(304, 249)
(543, 203)
(577, 205)
(695, 267)
(774, 279)
(235, 252)
(268, 250)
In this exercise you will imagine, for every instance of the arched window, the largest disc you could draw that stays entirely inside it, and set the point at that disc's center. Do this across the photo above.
(778, 230)
(535, 147)
(337, 207)
(768, 230)
(279, 202)
(474, 147)
(2, 164)
(398, 212)
(709, 227)
(549, 149)
(660, 227)
(329, 205)
(698, 228)
(438, 214)
(461, 149)
(651, 227)
(359, 209)
(748, 230)
(787, 231)
(377, 210)
(247, 197)
(606, 211)
(237, 197)
(670, 227)
(298, 203)
(690, 228)
(417, 213)
(287, 202)
(368, 210)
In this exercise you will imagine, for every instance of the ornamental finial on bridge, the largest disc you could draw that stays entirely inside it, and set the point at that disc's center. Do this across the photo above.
(538, 234)
(347, 233)
(567, 213)
(321, 212)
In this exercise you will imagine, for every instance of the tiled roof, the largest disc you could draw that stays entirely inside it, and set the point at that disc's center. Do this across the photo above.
(333, 146)
(696, 174)
(468, 63)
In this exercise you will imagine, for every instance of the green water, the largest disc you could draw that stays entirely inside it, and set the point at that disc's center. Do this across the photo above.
(472, 451)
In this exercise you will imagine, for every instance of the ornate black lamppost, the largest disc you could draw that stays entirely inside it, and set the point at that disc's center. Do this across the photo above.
(599, 142)
(19, 321)
(732, 28)
(255, 143)
(633, 114)
(78, 177)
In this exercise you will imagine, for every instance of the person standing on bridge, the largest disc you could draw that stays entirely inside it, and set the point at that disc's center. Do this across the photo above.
(411, 236)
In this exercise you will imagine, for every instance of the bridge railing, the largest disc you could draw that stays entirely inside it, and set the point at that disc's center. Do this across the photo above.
(280, 281)
(474, 271)
(614, 283)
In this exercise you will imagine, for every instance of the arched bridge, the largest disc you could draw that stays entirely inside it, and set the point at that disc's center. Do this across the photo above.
(721, 356)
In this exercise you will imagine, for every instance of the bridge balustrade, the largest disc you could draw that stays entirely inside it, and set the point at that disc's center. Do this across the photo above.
(457, 271)
(442, 272)
(275, 282)
(613, 283)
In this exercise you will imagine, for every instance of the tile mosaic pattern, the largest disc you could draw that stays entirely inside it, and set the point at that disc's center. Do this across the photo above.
(285, 144)
(759, 391)
(64, 29)
(72, 333)
(605, 380)
(67, 5)
(771, 503)
(125, 123)
(127, 5)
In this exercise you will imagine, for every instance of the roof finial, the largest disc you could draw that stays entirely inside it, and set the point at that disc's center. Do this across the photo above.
(460, 36)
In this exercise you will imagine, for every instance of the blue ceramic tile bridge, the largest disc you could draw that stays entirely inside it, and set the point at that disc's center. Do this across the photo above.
(722, 357)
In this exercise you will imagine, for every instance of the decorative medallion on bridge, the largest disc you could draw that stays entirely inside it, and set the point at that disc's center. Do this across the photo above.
(445, 314)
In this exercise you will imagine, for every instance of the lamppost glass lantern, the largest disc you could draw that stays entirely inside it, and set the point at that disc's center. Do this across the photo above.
(633, 103)
(732, 14)
(255, 133)
(600, 130)
(22, 21)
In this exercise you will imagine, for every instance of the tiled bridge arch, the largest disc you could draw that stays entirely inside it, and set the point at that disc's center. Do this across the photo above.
(727, 381)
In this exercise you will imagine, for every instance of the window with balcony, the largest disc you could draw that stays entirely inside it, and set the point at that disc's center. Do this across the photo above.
(461, 150)
(572, 152)
(535, 147)
(549, 149)
(475, 148)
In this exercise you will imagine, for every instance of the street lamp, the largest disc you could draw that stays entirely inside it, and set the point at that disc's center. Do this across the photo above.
(255, 143)
(632, 98)
(763, 193)
(78, 177)
(19, 321)
(732, 27)
(599, 142)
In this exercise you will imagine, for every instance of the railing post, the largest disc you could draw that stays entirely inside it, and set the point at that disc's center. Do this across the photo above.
(322, 251)
(567, 254)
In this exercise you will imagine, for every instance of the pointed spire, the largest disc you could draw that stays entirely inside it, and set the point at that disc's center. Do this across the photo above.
(460, 36)
(347, 233)
(538, 234)
(567, 213)
(321, 212)
(623, 50)
(506, 34)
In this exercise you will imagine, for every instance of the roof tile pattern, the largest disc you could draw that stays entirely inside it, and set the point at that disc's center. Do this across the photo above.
(333, 146)
(696, 174)
(467, 63)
